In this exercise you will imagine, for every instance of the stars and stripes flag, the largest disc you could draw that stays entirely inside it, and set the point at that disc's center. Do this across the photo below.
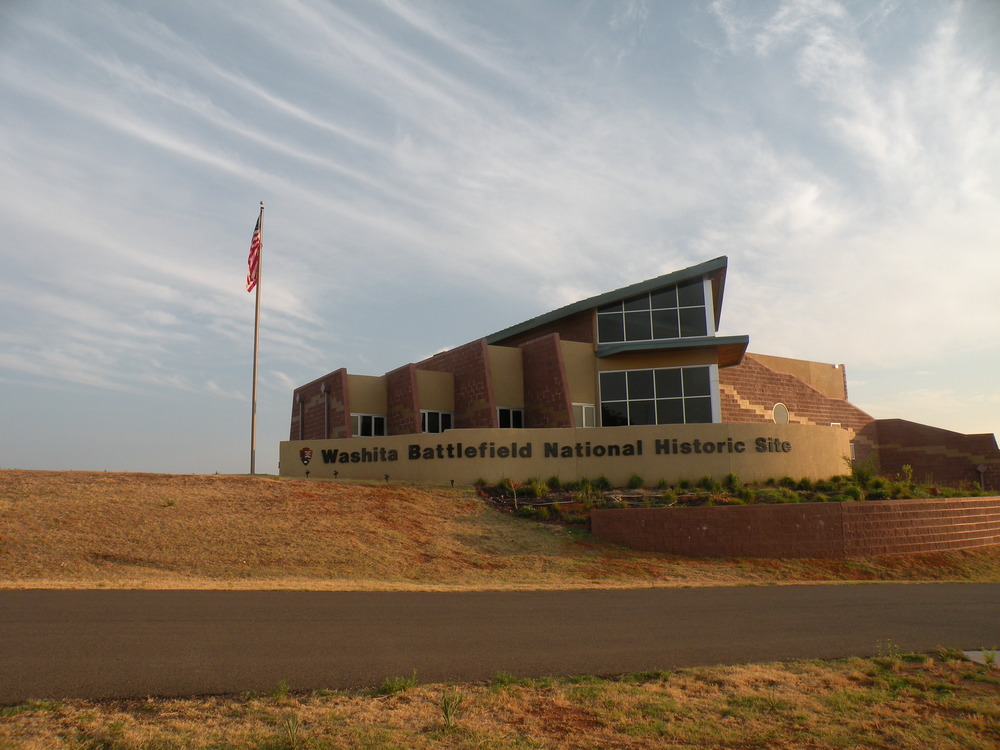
(253, 261)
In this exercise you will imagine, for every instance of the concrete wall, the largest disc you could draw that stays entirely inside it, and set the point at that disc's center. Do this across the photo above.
(807, 529)
(671, 453)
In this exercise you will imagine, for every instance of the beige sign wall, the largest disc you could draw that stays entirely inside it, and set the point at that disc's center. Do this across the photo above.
(754, 452)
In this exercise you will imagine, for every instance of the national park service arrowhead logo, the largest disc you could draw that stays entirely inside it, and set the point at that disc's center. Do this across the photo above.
(306, 455)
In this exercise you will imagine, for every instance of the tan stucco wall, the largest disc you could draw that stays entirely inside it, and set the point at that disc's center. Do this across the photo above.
(367, 394)
(813, 452)
(436, 390)
(641, 360)
(508, 379)
(825, 378)
(581, 372)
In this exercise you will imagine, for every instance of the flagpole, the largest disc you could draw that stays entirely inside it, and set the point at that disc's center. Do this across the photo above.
(256, 342)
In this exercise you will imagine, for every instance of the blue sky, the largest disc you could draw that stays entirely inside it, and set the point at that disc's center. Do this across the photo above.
(435, 171)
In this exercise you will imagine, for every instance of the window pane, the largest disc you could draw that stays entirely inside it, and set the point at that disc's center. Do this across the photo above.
(610, 308)
(637, 327)
(640, 384)
(583, 415)
(698, 410)
(445, 421)
(668, 383)
(639, 302)
(669, 411)
(693, 321)
(433, 421)
(696, 381)
(665, 324)
(663, 298)
(503, 417)
(613, 386)
(610, 328)
(642, 412)
(517, 418)
(692, 293)
(366, 426)
(379, 425)
(355, 425)
(614, 415)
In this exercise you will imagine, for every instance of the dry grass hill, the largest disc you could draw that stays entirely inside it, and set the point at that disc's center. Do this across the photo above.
(116, 530)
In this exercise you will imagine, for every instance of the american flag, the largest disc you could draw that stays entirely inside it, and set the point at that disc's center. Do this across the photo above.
(253, 261)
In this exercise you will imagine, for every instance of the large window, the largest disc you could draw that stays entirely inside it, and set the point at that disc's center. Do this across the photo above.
(368, 425)
(674, 395)
(435, 421)
(669, 313)
(510, 417)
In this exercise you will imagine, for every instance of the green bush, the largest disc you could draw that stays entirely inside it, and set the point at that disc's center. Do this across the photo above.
(506, 484)
(787, 482)
(731, 482)
(669, 497)
(683, 484)
(804, 485)
(853, 492)
(554, 483)
(706, 482)
(635, 482)
(602, 484)
(535, 488)
(662, 485)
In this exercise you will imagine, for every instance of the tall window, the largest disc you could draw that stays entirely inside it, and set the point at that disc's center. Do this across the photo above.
(510, 417)
(674, 395)
(669, 313)
(435, 421)
(368, 425)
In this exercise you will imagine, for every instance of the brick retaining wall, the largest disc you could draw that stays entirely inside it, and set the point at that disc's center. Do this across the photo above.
(849, 529)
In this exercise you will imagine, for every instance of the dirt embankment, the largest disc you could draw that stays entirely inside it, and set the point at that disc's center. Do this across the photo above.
(117, 530)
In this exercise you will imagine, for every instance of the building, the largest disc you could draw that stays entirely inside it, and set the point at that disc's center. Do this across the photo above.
(637, 373)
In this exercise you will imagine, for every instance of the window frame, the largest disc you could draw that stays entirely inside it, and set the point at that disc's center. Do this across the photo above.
(584, 407)
(639, 317)
(514, 414)
(441, 416)
(631, 408)
(356, 426)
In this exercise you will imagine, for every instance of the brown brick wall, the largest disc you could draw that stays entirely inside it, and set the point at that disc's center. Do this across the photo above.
(749, 391)
(806, 530)
(579, 327)
(936, 456)
(404, 413)
(546, 388)
(469, 364)
(325, 409)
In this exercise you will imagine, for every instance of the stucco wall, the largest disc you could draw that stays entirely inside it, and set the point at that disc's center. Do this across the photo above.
(666, 452)
(850, 529)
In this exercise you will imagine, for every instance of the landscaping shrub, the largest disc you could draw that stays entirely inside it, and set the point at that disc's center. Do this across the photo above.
(635, 482)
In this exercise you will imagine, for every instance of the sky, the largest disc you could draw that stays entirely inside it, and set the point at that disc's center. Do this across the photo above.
(433, 171)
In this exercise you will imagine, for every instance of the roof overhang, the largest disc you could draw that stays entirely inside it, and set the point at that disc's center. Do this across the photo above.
(730, 348)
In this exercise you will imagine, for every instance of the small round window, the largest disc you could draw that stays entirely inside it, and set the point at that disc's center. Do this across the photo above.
(780, 414)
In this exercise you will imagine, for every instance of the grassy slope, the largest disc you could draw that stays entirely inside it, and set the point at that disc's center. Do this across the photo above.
(89, 529)
(936, 702)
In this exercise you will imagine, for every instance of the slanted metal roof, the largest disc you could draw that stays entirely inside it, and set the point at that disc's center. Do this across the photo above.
(713, 269)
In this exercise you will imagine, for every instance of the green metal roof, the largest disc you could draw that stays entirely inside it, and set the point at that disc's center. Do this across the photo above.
(714, 269)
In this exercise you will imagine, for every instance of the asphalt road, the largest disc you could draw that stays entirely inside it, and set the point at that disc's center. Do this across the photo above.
(117, 644)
